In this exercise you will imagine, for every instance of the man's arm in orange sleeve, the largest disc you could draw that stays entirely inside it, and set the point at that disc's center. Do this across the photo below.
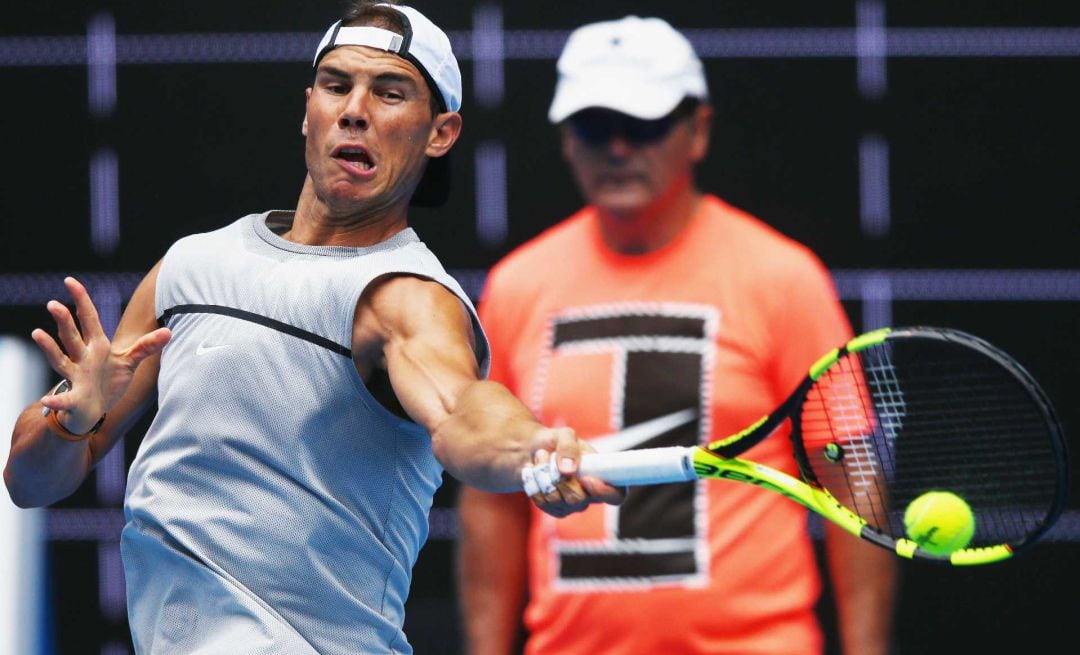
(864, 588)
(492, 548)
(492, 569)
(863, 576)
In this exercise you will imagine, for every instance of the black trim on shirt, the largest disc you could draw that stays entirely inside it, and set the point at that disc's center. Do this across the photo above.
(259, 319)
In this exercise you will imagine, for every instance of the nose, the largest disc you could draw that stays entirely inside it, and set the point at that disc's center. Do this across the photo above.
(618, 146)
(353, 114)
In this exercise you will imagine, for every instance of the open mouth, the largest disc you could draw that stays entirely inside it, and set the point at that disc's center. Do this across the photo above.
(356, 156)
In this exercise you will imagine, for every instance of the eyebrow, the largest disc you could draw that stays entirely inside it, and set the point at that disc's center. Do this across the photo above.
(395, 77)
(381, 77)
(334, 72)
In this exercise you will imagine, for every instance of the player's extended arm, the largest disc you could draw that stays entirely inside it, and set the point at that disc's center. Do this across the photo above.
(113, 378)
(480, 432)
(491, 569)
(864, 589)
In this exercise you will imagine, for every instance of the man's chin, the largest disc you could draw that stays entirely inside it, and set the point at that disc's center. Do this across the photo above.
(622, 202)
(346, 195)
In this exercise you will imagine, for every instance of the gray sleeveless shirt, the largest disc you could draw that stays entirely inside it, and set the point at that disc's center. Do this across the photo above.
(274, 505)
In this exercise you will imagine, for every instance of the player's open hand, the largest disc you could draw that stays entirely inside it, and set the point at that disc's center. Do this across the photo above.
(99, 372)
(566, 493)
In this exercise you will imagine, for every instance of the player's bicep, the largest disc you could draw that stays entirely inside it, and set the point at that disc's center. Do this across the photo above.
(138, 319)
(139, 316)
(428, 345)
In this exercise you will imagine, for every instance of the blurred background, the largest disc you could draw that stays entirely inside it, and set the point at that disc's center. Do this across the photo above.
(926, 151)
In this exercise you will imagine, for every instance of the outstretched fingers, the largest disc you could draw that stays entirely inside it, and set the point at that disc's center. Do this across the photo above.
(99, 369)
(53, 354)
(76, 337)
(66, 329)
(147, 345)
(84, 307)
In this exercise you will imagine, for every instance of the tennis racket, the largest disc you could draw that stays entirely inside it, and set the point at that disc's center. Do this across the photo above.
(890, 415)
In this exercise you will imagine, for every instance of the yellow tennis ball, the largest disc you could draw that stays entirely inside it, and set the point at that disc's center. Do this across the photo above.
(940, 522)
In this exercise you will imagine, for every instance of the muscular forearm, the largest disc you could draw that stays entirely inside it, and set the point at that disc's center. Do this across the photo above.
(43, 468)
(487, 437)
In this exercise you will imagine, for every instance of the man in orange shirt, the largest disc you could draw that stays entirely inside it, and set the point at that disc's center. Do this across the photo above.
(655, 298)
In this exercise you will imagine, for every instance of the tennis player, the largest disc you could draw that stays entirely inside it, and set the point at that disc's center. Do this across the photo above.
(666, 298)
(316, 371)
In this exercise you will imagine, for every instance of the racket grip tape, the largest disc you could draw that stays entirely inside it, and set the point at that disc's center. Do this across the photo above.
(624, 468)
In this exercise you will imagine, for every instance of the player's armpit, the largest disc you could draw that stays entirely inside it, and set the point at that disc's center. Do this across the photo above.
(423, 333)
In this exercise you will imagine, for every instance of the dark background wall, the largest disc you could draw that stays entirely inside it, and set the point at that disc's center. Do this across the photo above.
(927, 152)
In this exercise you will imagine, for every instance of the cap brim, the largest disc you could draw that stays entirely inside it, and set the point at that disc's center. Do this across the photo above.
(646, 102)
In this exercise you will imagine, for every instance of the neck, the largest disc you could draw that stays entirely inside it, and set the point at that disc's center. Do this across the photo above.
(317, 223)
(654, 226)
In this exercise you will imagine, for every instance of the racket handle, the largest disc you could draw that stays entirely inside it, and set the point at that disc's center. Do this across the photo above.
(628, 467)
(643, 466)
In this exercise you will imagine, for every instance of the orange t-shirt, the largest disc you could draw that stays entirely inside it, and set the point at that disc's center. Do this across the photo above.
(726, 319)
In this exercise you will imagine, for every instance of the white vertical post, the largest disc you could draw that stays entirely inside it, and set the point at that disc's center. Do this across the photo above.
(23, 378)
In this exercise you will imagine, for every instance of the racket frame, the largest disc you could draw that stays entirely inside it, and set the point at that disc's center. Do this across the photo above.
(719, 459)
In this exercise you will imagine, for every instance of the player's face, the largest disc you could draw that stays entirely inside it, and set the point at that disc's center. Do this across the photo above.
(369, 128)
(625, 165)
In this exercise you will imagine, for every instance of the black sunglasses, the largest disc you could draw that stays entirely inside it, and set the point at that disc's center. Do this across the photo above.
(596, 127)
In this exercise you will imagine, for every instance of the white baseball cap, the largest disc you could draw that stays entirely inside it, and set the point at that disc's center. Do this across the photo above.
(427, 47)
(641, 67)
(424, 44)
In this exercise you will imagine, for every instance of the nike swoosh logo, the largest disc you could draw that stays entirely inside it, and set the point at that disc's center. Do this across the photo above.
(203, 349)
(637, 434)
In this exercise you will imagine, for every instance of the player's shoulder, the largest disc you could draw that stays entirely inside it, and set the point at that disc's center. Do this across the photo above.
(406, 294)
(235, 227)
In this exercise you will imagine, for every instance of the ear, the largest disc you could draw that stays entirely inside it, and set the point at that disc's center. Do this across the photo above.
(445, 131)
(701, 131)
(568, 142)
(307, 98)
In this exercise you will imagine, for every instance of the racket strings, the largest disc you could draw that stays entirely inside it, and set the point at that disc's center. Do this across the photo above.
(891, 422)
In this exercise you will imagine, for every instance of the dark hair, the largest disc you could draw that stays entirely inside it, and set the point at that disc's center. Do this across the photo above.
(686, 106)
(374, 13)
